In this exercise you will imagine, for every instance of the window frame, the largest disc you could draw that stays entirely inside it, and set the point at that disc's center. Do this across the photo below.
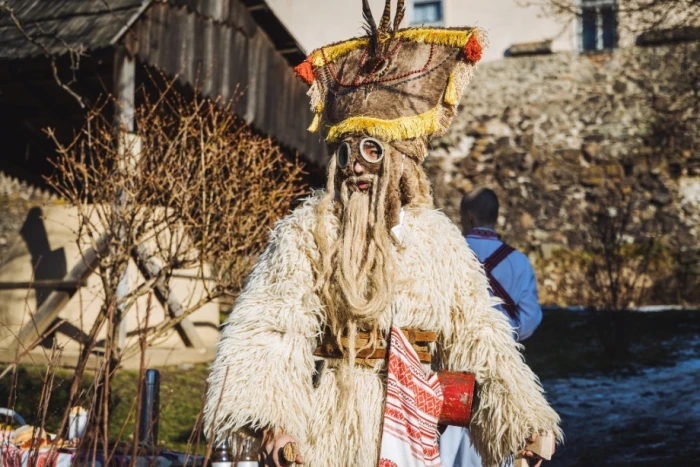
(597, 7)
(412, 14)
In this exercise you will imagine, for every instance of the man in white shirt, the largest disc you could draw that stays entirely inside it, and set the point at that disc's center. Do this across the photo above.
(512, 279)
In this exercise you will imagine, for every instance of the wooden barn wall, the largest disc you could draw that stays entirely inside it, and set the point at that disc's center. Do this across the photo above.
(218, 47)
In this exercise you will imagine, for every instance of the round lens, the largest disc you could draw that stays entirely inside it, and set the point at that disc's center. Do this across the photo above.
(343, 155)
(372, 150)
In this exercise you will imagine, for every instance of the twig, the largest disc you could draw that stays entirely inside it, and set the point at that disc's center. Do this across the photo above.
(74, 54)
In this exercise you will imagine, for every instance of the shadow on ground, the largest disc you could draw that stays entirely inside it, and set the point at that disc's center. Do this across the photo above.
(642, 409)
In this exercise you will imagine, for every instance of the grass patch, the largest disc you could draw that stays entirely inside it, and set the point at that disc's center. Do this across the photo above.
(181, 399)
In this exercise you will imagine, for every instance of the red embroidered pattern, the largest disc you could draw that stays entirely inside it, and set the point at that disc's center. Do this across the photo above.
(485, 233)
(386, 463)
(355, 82)
(412, 408)
(363, 60)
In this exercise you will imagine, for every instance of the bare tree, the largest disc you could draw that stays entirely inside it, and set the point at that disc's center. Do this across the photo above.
(620, 256)
(662, 65)
(620, 259)
(192, 189)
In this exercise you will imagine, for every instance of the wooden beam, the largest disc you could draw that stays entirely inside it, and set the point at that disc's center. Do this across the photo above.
(42, 283)
(150, 268)
(54, 303)
(290, 50)
(124, 89)
(124, 110)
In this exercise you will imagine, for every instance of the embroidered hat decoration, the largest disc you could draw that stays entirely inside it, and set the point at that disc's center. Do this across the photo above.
(392, 84)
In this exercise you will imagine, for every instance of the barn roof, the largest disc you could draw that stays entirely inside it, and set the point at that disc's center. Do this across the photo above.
(222, 47)
(60, 26)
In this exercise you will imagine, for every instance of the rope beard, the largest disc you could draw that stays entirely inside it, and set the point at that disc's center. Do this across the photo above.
(356, 264)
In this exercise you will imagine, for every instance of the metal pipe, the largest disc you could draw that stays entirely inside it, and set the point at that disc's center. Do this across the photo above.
(150, 409)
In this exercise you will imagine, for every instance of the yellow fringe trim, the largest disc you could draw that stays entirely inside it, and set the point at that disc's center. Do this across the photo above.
(313, 128)
(334, 52)
(448, 37)
(437, 36)
(459, 78)
(388, 130)
(451, 92)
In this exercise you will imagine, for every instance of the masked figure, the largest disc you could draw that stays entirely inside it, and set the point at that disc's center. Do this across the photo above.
(303, 354)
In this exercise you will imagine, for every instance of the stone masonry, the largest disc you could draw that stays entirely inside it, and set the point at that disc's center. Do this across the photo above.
(553, 134)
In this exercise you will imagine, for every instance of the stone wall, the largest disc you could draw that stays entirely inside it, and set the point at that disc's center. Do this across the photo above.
(554, 135)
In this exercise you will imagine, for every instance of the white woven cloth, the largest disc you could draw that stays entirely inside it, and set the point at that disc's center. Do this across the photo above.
(412, 409)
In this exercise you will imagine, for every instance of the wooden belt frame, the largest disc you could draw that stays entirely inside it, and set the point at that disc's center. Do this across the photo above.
(458, 388)
(420, 340)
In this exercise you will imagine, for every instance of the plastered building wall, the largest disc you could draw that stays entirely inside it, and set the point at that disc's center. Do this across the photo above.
(509, 22)
(59, 225)
(315, 23)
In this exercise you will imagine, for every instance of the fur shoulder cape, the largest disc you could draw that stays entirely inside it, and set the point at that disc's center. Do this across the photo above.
(262, 375)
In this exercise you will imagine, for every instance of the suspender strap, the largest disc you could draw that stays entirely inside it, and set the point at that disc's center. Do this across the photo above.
(497, 256)
(489, 264)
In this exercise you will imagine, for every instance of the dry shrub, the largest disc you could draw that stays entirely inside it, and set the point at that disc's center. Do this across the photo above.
(617, 267)
(192, 175)
(191, 188)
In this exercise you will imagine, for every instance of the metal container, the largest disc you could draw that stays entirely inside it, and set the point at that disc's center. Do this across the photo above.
(250, 445)
(458, 389)
(222, 456)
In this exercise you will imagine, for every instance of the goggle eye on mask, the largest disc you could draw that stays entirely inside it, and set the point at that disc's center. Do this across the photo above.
(370, 149)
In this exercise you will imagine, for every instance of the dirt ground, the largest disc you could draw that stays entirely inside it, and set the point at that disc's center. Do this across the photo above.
(638, 410)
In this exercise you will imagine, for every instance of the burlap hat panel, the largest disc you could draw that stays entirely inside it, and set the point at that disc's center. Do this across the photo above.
(412, 84)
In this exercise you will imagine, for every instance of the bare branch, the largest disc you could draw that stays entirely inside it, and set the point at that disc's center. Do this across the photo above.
(73, 53)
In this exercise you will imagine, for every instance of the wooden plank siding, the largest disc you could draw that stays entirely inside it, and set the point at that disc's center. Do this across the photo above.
(216, 46)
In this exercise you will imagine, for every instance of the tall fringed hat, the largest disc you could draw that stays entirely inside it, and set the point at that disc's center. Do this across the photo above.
(392, 84)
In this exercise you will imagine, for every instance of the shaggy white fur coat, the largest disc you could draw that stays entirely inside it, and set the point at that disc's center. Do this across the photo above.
(262, 375)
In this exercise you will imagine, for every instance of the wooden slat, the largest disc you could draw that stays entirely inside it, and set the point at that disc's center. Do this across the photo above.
(150, 269)
(423, 336)
(226, 35)
(54, 303)
(366, 354)
(328, 347)
(42, 283)
(412, 334)
(372, 354)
